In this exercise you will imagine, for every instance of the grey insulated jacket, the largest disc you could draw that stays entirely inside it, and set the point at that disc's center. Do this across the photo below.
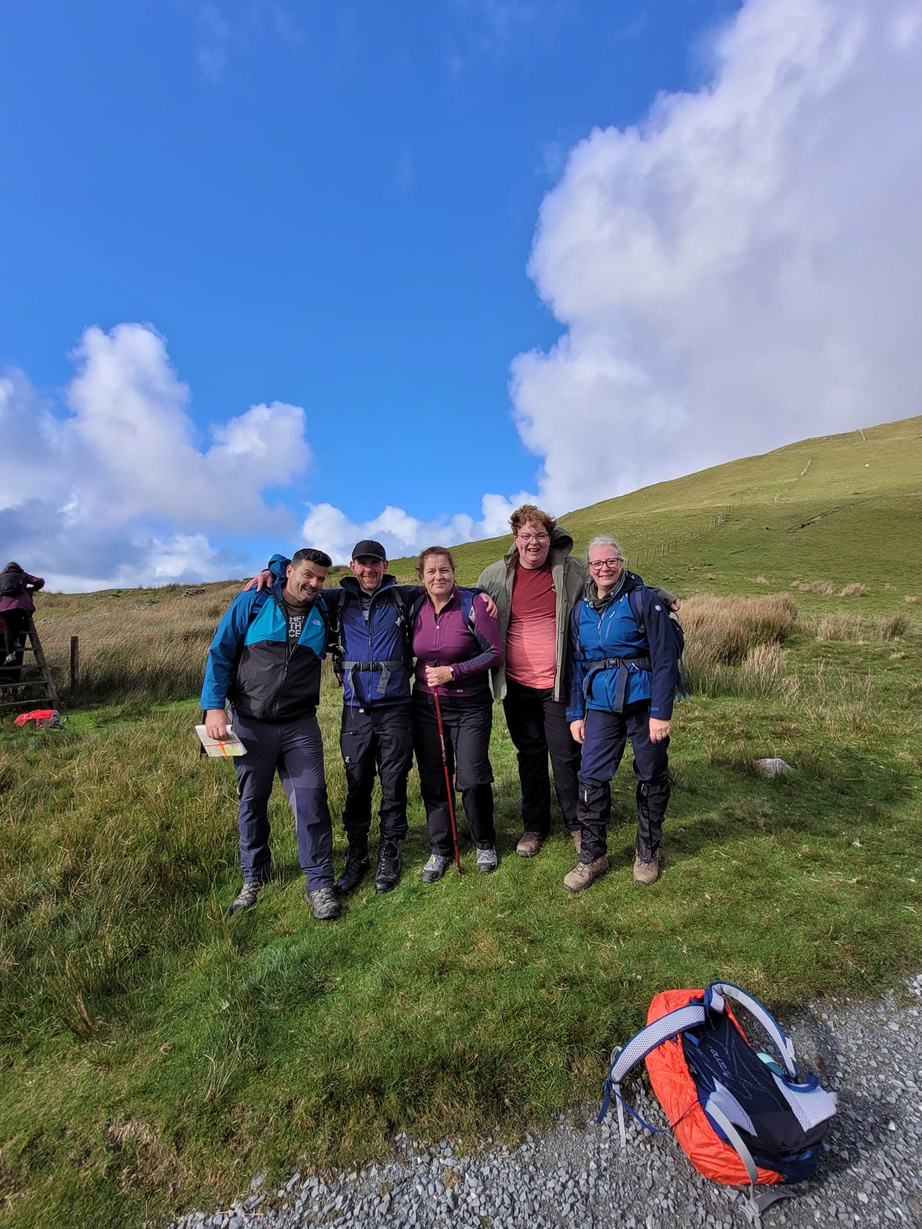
(568, 575)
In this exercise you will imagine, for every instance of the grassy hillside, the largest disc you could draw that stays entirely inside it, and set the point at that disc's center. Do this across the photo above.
(156, 1053)
(846, 508)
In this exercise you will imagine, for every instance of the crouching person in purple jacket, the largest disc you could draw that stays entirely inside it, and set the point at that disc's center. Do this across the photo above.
(456, 643)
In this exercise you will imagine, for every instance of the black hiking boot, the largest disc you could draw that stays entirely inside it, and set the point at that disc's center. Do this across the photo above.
(355, 870)
(387, 876)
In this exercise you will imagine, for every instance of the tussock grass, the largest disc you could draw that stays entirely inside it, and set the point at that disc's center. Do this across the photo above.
(814, 586)
(911, 599)
(853, 590)
(732, 645)
(845, 626)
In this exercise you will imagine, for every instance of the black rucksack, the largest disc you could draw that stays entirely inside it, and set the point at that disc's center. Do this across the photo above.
(12, 584)
(636, 600)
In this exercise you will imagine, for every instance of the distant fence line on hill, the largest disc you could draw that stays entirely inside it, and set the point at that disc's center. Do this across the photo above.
(648, 553)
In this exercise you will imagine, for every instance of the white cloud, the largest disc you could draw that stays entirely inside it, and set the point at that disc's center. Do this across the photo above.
(402, 534)
(741, 269)
(120, 491)
(738, 271)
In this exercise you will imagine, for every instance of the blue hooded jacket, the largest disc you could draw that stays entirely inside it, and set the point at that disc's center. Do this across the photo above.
(252, 664)
(613, 632)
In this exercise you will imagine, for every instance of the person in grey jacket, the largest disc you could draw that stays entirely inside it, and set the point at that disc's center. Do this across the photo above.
(535, 586)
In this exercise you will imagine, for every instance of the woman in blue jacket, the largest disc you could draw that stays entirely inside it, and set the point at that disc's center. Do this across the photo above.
(623, 672)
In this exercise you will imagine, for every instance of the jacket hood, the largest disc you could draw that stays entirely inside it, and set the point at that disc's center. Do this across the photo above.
(561, 546)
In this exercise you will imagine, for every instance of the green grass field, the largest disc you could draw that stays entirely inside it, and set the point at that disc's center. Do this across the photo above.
(157, 1053)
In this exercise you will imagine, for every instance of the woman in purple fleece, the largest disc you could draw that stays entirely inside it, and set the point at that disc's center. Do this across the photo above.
(456, 644)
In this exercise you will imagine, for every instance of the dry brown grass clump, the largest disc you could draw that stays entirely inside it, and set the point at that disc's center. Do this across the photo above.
(814, 586)
(854, 590)
(852, 627)
(836, 627)
(733, 643)
(911, 599)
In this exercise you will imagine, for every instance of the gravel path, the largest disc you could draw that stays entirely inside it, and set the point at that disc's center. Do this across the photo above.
(576, 1175)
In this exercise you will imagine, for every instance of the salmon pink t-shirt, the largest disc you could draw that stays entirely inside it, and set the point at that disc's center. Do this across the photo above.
(531, 640)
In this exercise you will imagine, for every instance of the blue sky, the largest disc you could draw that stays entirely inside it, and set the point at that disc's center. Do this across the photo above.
(370, 218)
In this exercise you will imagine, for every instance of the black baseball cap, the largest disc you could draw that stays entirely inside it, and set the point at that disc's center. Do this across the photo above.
(371, 548)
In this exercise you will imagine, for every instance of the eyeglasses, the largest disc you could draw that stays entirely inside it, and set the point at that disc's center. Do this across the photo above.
(532, 537)
(611, 564)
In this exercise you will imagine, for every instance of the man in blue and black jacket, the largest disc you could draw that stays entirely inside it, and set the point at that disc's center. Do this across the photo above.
(265, 659)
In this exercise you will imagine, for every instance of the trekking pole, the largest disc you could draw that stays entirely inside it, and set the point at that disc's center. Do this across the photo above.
(451, 792)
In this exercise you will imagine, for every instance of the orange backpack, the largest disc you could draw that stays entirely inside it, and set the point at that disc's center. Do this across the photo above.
(740, 1117)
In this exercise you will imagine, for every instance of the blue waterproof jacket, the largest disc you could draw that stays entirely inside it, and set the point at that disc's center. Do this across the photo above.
(252, 664)
(612, 635)
(376, 654)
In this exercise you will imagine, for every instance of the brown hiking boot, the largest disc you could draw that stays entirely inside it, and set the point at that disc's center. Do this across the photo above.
(646, 873)
(529, 845)
(585, 873)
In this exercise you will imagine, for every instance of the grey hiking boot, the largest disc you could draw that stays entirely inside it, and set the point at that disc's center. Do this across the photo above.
(646, 873)
(246, 897)
(434, 868)
(585, 873)
(486, 861)
(323, 902)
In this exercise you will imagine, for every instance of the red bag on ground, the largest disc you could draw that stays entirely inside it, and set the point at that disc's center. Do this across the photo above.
(38, 717)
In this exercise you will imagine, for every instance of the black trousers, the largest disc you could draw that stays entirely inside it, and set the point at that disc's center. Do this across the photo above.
(14, 629)
(376, 741)
(606, 736)
(467, 751)
(538, 727)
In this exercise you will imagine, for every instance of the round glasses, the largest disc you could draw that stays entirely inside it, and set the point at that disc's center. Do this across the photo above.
(610, 564)
(532, 537)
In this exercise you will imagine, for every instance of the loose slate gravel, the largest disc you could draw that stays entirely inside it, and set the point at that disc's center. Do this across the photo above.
(575, 1174)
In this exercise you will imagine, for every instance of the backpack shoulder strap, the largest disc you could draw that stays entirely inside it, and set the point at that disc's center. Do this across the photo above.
(412, 610)
(467, 607)
(636, 600)
(714, 998)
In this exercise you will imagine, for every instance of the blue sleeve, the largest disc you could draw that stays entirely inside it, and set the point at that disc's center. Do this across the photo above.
(576, 668)
(663, 656)
(225, 649)
(409, 593)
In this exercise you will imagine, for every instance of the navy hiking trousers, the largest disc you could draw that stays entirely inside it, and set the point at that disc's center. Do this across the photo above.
(295, 749)
(606, 736)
